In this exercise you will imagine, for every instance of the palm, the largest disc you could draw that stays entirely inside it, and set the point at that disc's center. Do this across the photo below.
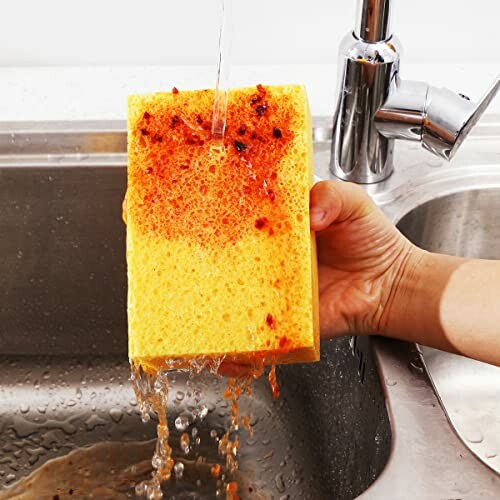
(355, 258)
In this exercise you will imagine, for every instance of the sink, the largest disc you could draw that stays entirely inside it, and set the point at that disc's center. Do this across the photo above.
(63, 345)
(375, 419)
(463, 224)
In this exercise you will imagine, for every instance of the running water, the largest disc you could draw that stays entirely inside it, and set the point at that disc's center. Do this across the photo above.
(222, 81)
(152, 391)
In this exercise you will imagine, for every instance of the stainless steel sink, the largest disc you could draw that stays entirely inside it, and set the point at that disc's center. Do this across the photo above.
(444, 409)
(464, 224)
(367, 420)
(63, 357)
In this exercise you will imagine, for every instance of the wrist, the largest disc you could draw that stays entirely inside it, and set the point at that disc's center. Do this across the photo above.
(403, 299)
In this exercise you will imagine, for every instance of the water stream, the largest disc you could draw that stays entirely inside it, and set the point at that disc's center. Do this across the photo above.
(222, 80)
(190, 469)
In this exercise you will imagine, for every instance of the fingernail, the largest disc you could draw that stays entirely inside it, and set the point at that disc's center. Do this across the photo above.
(317, 216)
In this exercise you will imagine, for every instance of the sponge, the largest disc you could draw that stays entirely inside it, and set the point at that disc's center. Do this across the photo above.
(221, 259)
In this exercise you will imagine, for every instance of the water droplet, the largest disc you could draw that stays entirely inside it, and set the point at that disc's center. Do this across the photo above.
(116, 414)
(71, 402)
(490, 454)
(213, 433)
(194, 432)
(35, 454)
(93, 421)
(24, 408)
(184, 443)
(179, 470)
(42, 409)
(182, 423)
(179, 395)
(474, 436)
(378, 438)
(78, 393)
(390, 382)
(9, 478)
(202, 412)
(279, 483)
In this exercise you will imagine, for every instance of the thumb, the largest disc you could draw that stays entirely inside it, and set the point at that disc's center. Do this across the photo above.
(336, 201)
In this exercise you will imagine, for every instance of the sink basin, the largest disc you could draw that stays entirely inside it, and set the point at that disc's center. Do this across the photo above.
(63, 343)
(463, 224)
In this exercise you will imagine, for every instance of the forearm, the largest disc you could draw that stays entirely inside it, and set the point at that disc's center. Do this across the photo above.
(449, 303)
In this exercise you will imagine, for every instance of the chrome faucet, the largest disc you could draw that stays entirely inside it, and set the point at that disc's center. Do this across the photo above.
(375, 106)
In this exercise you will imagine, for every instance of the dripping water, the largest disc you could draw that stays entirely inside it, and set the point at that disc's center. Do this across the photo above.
(152, 391)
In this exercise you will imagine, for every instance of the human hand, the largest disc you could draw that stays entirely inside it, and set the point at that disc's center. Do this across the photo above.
(361, 259)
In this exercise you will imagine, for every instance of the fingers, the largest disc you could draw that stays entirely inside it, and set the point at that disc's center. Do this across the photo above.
(332, 201)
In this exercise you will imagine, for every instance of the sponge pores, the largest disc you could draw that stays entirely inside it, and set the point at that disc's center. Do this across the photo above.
(221, 259)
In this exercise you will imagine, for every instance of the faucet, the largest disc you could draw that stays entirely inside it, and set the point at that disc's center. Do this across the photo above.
(375, 106)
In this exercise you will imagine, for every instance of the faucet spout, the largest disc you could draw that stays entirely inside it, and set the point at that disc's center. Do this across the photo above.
(437, 117)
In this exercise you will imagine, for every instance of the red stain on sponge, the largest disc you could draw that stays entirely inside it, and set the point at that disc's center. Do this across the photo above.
(213, 228)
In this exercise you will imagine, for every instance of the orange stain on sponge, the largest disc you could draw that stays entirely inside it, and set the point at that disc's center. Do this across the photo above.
(221, 259)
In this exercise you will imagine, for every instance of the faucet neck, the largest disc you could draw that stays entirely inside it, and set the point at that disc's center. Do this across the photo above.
(373, 20)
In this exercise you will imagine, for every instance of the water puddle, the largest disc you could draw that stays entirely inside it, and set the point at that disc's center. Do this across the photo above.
(113, 470)
(206, 446)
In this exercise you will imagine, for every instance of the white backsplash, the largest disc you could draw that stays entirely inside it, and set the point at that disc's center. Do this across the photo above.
(184, 32)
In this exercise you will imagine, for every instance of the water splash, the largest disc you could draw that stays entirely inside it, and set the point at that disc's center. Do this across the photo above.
(152, 389)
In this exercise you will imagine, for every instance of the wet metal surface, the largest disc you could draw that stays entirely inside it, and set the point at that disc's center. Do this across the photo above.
(63, 329)
(63, 337)
(464, 224)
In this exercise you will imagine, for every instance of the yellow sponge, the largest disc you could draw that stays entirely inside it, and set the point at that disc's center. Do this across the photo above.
(221, 260)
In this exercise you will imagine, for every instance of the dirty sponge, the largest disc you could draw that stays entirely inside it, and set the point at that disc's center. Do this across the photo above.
(221, 259)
